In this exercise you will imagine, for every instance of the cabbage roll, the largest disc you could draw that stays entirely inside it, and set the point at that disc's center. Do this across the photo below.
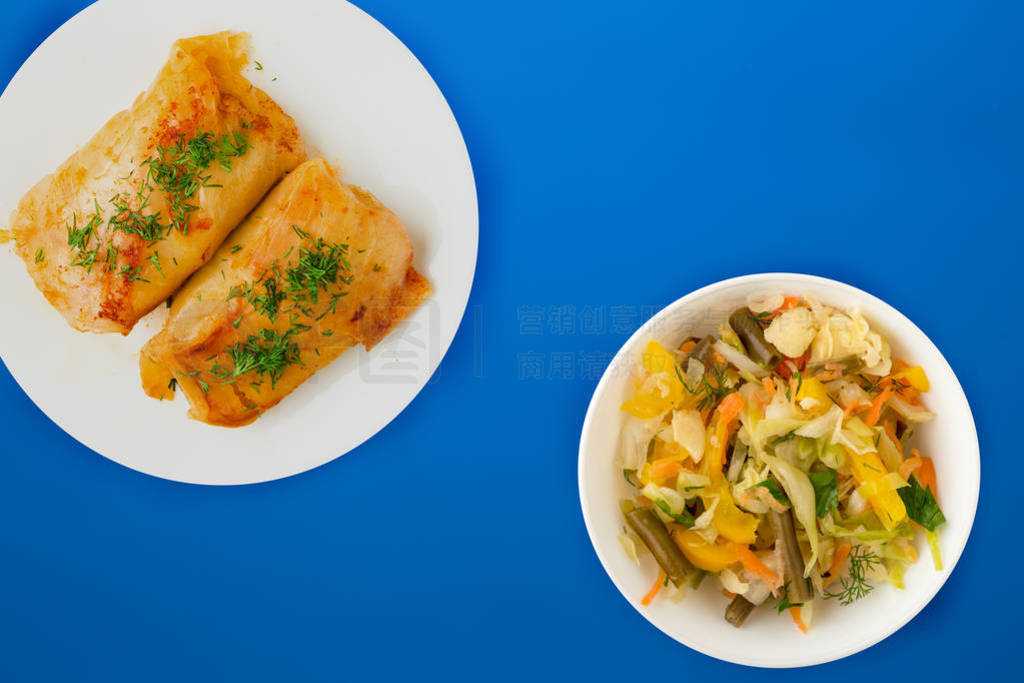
(143, 204)
(318, 267)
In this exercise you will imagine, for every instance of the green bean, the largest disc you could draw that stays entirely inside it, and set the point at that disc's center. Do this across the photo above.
(850, 365)
(738, 610)
(784, 527)
(696, 577)
(748, 329)
(655, 536)
(701, 352)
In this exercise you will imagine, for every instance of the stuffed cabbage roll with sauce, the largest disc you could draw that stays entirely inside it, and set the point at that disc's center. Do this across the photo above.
(144, 203)
(319, 266)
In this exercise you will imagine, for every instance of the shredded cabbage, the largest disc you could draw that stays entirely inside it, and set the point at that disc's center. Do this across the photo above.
(822, 425)
(732, 583)
(688, 431)
(933, 546)
(689, 483)
(862, 534)
(629, 546)
(910, 411)
(703, 525)
(740, 360)
(801, 494)
(636, 434)
(765, 303)
(672, 498)
(739, 456)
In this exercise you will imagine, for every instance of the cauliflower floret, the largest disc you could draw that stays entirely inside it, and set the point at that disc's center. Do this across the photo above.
(792, 331)
(848, 334)
(765, 303)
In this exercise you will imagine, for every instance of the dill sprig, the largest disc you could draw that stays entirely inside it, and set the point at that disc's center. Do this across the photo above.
(856, 586)
(266, 353)
(79, 239)
(268, 303)
(710, 393)
(318, 268)
(178, 171)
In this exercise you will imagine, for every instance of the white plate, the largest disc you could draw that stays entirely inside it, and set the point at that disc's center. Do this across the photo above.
(768, 639)
(362, 101)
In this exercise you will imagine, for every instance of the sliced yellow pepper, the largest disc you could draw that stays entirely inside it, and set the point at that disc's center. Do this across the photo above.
(731, 522)
(811, 387)
(662, 468)
(711, 557)
(645, 406)
(868, 468)
(648, 404)
(915, 377)
(668, 450)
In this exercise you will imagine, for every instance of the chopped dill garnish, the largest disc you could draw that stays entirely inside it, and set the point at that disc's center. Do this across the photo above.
(266, 353)
(711, 393)
(318, 269)
(856, 586)
(154, 258)
(132, 274)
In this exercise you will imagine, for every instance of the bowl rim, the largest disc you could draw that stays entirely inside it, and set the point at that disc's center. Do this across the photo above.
(643, 330)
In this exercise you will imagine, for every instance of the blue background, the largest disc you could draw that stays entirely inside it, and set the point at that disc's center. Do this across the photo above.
(625, 154)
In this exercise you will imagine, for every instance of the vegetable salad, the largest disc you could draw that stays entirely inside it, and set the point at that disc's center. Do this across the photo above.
(777, 455)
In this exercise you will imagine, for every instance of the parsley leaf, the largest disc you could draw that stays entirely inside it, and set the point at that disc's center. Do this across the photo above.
(788, 436)
(684, 518)
(826, 492)
(784, 603)
(776, 492)
(921, 505)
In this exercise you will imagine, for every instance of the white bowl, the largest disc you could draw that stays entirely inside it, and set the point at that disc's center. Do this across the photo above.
(768, 639)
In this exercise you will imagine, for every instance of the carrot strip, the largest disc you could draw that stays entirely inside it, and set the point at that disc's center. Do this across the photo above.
(787, 303)
(730, 406)
(719, 358)
(926, 474)
(654, 589)
(688, 346)
(909, 465)
(890, 429)
(795, 613)
(768, 385)
(852, 408)
(842, 552)
(876, 407)
(755, 566)
(728, 594)
(663, 469)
